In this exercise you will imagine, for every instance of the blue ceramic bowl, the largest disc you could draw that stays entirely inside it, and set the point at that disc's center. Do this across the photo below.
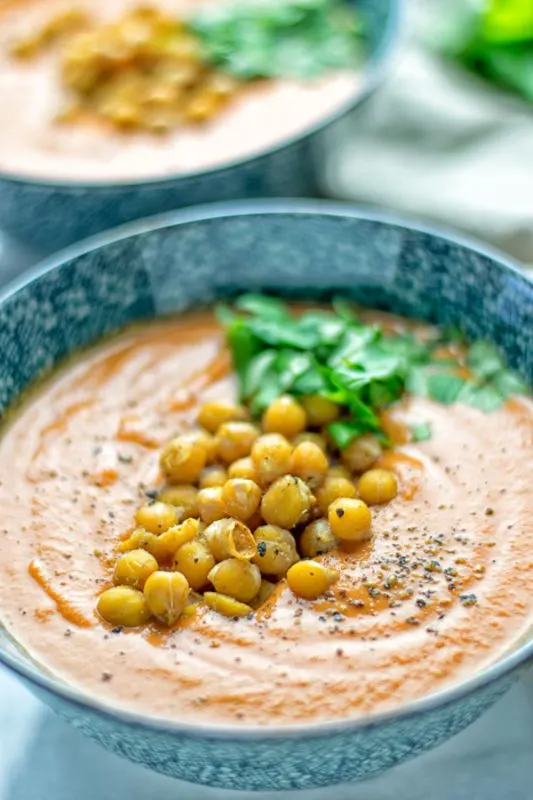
(300, 248)
(47, 215)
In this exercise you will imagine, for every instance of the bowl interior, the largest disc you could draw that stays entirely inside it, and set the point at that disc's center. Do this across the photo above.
(307, 249)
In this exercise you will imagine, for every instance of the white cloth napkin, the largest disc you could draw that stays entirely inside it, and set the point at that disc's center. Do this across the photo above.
(441, 145)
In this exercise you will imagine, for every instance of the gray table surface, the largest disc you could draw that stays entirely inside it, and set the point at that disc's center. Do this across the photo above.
(42, 758)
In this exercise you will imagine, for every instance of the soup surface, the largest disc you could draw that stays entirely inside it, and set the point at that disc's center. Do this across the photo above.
(32, 144)
(78, 457)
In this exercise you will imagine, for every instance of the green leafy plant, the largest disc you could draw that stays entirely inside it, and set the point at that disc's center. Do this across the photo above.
(494, 38)
(361, 367)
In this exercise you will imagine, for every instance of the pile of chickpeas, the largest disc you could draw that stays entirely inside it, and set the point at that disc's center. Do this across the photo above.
(244, 507)
(141, 72)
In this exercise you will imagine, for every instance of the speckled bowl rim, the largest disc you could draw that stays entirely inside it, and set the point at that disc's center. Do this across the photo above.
(310, 730)
(373, 74)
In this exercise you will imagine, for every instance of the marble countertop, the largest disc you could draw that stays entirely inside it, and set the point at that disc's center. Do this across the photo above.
(42, 758)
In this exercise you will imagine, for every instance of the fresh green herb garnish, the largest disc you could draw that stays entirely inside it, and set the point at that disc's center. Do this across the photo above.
(420, 431)
(361, 367)
(494, 38)
(280, 38)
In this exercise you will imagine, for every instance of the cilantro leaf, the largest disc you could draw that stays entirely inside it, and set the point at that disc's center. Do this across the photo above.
(420, 431)
(279, 38)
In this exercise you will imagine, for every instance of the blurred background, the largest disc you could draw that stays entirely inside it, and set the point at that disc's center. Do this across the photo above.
(449, 137)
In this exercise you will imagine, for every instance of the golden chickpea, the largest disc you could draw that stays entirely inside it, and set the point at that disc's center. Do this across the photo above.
(317, 539)
(235, 440)
(195, 562)
(241, 498)
(309, 579)
(230, 538)
(338, 471)
(211, 504)
(361, 453)
(309, 463)
(236, 578)
(266, 589)
(133, 568)
(225, 605)
(182, 497)
(213, 476)
(350, 519)
(209, 442)
(311, 436)
(123, 605)
(276, 550)
(287, 502)
(171, 540)
(320, 411)
(377, 486)
(166, 594)
(145, 540)
(183, 458)
(214, 414)
(156, 517)
(331, 489)
(243, 468)
(271, 457)
(285, 415)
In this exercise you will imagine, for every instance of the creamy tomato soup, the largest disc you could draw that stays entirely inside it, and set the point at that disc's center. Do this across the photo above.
(82, 453)
(33, 144)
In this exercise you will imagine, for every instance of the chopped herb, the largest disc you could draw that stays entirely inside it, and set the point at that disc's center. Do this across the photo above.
(420, 431)
(279, 38)
(360, 367)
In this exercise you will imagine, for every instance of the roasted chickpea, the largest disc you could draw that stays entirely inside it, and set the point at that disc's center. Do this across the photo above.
(211, 504)
(235, 440)
(317, 539)
(271, 457)
(331, 489)
(166, 594)
(243, 468)
(276, 550)
(213, 476)
(236, 578)
(338, 471)
(145, 540)
(123, 605)
(309, 463)
(214, 414)
(266, 589)
(171, 540)
(311, 436)
(133, 568)
(361, 453)
(195, 562)
(287, 502)
(350, 519)
(208, 442)
(156, 517)
(377, 486)
(309, 579)
(227, 606)
(182, 497)
(183, 459)
(285, 415)
(230, 538)
(320, 411)
(241, 498)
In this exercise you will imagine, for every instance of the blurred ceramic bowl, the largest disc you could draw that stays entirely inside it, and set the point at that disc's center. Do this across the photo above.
(300, 249)
(47, 215)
